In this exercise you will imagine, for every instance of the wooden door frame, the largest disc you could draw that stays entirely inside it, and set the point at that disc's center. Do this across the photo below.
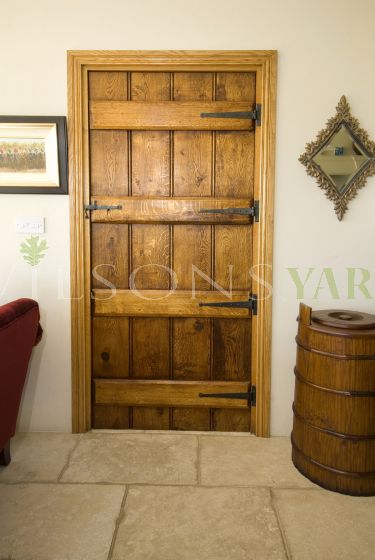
(264, 63)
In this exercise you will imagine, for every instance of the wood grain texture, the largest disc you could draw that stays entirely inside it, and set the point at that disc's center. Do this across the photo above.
(109, 162)
(224, 420)
(193, 86)
(168, 210)
(109, 262)
(110, 347)
(192, 256)
(231, 344)
(191, 419)
(164, 303)
(106, 86)
(191, 348)
(192, 163)
(234, 164)
(110, 417)
(150, 257)
(150, 348)
(166, 393)
(166, 115)
(233, 257)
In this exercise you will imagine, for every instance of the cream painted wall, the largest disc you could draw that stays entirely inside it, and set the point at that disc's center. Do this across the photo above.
(325, 49)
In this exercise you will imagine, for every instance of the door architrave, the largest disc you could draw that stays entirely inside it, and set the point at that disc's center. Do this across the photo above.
(264, 63)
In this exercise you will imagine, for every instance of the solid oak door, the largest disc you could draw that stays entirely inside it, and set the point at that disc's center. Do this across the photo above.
(156, 256)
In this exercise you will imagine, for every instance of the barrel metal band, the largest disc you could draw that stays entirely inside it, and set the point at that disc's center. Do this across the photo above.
(335, 391)
(330, 432)
(336, 356)
(368, 474)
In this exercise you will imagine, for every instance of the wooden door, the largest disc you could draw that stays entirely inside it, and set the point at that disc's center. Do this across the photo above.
(157, 257)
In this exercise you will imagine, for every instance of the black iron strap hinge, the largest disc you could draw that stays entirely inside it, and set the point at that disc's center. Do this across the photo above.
(255, 115)
(251, 303)
(250, 211)
(89, 207)
(250, 396)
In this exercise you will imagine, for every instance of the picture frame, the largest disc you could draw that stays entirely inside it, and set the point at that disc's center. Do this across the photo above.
(33, 155)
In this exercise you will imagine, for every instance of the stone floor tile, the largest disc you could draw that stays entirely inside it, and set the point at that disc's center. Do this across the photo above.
(192, 523)
(323, 525)
(38, 456)
(138, 458)
(249, 461)
(58, 521)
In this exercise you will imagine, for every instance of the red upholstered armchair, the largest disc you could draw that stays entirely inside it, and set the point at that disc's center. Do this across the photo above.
(19, 332)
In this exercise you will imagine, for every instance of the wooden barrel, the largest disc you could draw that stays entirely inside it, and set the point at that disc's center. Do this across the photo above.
(333, 437)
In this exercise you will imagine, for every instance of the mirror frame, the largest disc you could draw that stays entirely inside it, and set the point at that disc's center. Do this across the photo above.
(343, 116)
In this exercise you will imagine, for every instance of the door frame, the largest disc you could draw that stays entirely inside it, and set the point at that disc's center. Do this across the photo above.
(264, 63)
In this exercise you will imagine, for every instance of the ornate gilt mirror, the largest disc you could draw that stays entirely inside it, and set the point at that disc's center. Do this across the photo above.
(341, 158)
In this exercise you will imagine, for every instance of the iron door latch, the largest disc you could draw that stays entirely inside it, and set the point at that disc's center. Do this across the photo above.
(89, 207)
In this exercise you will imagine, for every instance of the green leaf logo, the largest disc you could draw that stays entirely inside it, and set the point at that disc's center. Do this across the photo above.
(33, 250)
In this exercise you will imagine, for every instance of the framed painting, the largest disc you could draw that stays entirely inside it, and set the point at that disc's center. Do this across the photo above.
(33, 155)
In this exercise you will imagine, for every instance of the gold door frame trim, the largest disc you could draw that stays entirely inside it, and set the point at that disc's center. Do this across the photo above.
(264, 63)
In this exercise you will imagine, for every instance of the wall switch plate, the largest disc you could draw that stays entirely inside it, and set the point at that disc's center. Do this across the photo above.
(29, 224)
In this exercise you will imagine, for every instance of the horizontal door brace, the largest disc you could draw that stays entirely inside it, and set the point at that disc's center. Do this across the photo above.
(251, 115)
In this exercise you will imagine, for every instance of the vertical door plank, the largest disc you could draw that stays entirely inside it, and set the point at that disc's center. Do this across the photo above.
(109, 255)
(110, 417)
(192, 163)
(150, 348)
(110, 347)
(109, 162)
(233, 256)
(150, 149)
(150, 164)
(190, 419)
(192, 149)
(229, 420)
(231, 349)
(234, 166)
(231, 360)
(192, 246)
(234, 176)
(108, 148)
(150, 257)
(110, 359)
(150, 418)
(191, 348)
(108, 86)
(192, 86)
(193, 152)
(150, 361)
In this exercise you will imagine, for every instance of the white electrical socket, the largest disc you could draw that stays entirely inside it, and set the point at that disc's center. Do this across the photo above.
(29, 224)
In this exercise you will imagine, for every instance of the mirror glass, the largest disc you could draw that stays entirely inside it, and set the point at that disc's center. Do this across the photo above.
(341, 157)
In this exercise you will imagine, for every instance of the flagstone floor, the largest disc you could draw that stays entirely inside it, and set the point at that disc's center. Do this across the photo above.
(172, 496)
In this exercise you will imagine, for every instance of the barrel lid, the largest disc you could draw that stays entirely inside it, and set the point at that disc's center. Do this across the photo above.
(340, 318)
